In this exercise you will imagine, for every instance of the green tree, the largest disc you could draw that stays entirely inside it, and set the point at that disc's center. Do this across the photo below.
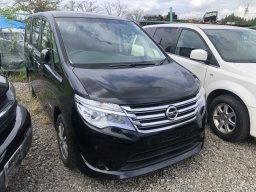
(33, 6)
(237, 20)
(9, 13)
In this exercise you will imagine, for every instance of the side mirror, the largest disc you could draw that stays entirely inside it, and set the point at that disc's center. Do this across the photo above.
(199, 55)
(45, 56)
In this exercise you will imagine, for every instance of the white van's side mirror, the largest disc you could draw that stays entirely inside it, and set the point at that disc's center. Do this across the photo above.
(199, 55)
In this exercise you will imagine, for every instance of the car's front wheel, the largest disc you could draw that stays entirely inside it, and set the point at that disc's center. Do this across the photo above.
(229, 118)
(66, 143)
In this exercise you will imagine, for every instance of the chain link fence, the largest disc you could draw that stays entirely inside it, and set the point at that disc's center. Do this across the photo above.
(12, 35)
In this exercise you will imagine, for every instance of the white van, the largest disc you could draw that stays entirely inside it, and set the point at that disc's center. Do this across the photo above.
(224, 59)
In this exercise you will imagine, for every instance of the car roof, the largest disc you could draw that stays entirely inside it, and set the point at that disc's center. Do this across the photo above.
(196, 26)
(73, 14)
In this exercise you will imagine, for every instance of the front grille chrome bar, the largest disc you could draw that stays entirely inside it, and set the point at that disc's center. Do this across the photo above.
(147, 119)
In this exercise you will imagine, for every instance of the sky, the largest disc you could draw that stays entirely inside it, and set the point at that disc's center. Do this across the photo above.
(187, 8)
(195, 8)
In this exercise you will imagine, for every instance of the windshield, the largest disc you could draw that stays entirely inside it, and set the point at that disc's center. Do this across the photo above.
(106, 41)
(234, 45)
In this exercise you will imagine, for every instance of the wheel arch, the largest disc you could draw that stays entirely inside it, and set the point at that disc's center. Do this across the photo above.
(232, 88)
(219, 92)
(238, 91)
(56, 113)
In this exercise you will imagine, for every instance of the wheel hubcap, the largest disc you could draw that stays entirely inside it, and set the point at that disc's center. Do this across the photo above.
(224, 118)
(63, 141)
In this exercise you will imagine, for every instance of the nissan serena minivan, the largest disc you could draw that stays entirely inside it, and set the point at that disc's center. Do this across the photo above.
(121, 107)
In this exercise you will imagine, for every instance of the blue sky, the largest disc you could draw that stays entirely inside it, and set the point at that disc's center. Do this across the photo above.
(194, 8)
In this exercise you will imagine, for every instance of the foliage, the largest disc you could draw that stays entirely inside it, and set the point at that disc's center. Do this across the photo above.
(33, 6)
(82, 5)
(15, 76)
(232, 18)
(135, 14)
(115, 8)
(238, 20)
(9, 13)
(87, 6)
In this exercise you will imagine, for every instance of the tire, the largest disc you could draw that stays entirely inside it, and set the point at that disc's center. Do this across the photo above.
(66, 140)
(229, 118)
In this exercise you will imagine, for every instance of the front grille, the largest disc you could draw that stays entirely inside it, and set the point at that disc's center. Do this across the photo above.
(151, 118)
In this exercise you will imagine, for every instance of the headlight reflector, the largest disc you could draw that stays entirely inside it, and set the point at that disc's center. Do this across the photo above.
(102, 115)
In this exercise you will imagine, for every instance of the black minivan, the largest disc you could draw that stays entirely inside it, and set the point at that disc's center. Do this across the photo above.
(15, 132)
(121, 107)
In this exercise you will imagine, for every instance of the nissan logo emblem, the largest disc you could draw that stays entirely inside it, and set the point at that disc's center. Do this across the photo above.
(172, 113)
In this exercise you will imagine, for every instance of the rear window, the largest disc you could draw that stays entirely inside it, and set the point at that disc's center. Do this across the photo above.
(150, 31)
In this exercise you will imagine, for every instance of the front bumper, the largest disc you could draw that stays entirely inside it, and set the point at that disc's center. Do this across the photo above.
(121, 154)
(15, 145)
(252, 112)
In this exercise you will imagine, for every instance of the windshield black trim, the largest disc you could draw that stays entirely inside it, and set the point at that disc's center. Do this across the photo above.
(221, 55)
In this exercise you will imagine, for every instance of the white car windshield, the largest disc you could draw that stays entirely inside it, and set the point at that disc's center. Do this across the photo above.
(106, 41)
(234, 45)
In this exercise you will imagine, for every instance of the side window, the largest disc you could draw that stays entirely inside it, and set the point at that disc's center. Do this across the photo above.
(166, 38)
(28, 27)
(189, 41)
(150, 30)
(46, 36)
(36, 32)
(48, 42)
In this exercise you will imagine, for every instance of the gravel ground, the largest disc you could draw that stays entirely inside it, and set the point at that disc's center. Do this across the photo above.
(220, 166)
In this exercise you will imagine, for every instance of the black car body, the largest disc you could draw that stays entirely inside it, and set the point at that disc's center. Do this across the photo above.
(15, 132)
(120, 109)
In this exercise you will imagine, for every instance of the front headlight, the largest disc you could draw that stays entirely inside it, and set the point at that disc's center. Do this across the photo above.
(102, 115)
(11, 94)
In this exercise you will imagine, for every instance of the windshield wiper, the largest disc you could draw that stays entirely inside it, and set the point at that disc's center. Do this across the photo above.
(132, 65)
(162, 61)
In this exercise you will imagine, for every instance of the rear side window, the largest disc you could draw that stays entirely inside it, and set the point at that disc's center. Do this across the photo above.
(150, 30)
(36, 32)
(166, 38)
(188, 41)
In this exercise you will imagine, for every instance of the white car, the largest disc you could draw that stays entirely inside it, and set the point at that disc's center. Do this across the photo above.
(224, 59)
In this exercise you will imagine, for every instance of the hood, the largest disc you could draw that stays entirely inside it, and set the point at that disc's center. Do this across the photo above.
(141, 85)
(3, 85)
